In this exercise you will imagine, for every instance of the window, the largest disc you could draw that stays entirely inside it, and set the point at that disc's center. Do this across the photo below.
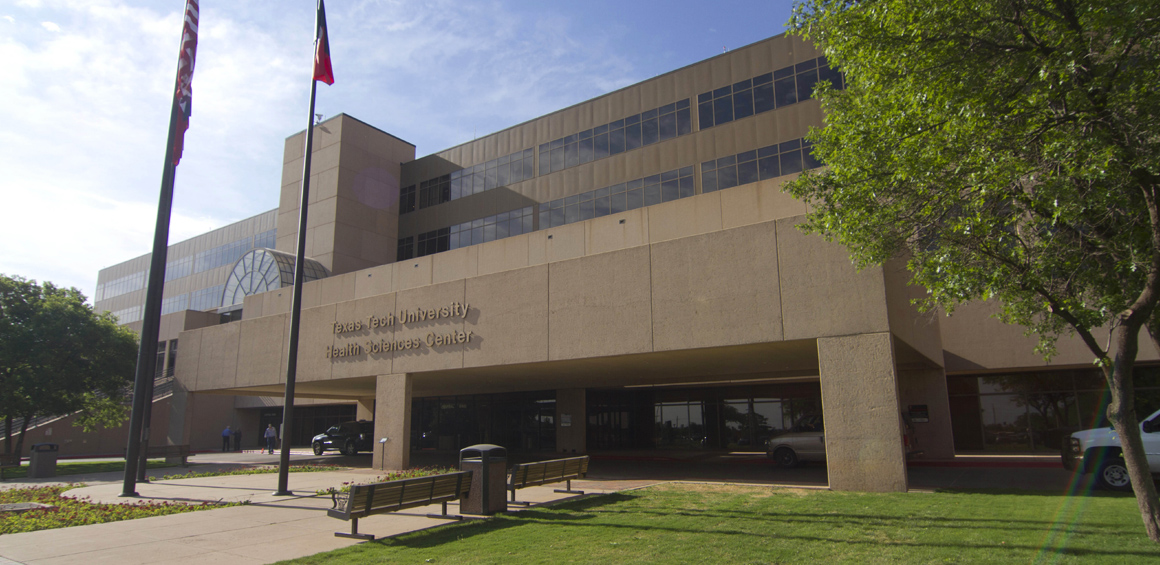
(407, 200)
(178, 268)
(647, 128)
(765, 92)
(123, 285)
(653, 189)
(433, 242)
(406, 249)
(760, 164)
(206, 298)
(491, 228)
(174, 304)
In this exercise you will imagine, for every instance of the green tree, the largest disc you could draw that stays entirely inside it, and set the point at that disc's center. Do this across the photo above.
(1008, 150)
(57, 356)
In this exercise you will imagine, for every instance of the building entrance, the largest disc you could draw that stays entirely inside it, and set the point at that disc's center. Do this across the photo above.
(735, 418)
(521, 422)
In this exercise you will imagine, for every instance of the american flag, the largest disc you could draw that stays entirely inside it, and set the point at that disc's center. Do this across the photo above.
(184, 94)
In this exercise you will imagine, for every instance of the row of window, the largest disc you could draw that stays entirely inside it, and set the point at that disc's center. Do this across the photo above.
(117, 287)
(735, 170)
(509, 169)
(762, 93)
(646, 128)
(765, 92)
(173, 304)
(654, 189)
(222, 255)
(177, 268)
(206, 298)
(760, 164)
(129, 315)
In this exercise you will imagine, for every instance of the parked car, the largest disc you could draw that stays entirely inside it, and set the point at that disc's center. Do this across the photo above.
(1098, 450)
(347, 437)
(805, 441)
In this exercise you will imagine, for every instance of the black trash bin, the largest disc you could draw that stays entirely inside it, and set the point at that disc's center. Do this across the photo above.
(488, 464)
(43, 462)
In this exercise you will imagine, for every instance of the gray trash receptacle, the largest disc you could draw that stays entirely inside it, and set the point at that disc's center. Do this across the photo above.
(488, 464)
(42, 464)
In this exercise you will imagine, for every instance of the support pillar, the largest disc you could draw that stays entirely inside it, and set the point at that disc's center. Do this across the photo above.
(935, 438)
(571, 418)
(365, 409)
(860, 407)
(393, 421)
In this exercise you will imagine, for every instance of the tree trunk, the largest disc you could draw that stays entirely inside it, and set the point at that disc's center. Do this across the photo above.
(1122, 413)
(23, 430)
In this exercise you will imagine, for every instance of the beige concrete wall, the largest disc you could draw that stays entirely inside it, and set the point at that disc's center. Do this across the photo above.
(935, 439)
(921, 331)
(352, 222)
(864, 450)
(976, 341)
(756, 283)
(393, 421)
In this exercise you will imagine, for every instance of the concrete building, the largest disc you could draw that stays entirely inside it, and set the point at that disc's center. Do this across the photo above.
(623, 274)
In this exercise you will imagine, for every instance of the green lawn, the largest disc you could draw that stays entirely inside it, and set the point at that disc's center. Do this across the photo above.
(734, 524)
(83, 468)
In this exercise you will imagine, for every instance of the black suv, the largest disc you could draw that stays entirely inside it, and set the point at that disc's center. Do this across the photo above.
(347, 437)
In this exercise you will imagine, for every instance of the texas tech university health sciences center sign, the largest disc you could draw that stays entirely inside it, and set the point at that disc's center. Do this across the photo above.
(432, 339)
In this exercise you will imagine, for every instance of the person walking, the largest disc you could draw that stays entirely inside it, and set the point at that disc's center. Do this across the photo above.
(226, 439)
(271, 436)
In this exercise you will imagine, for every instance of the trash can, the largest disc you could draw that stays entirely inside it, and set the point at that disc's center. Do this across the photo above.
(43, 462)
(488, 464)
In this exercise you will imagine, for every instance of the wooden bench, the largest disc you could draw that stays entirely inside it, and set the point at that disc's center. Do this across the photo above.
(169, 452)
(543, 472)
(378, 498)
(8, 461)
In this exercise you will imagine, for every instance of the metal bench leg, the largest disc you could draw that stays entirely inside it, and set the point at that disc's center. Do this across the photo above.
(520, 502)
(354, 532)
(569, 489)
(445, 515)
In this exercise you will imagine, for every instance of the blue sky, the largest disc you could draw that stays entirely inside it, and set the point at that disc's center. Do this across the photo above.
(86, 85)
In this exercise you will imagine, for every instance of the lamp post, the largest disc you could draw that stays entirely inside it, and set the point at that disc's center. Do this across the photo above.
(383, 455)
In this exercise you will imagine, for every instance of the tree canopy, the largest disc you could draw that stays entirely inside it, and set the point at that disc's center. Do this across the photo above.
(1009, 150)
(57, 356)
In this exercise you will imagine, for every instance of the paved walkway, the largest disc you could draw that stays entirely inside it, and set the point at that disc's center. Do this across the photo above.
(268, 529)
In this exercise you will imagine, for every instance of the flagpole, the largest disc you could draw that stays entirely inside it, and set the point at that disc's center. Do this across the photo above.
(296, 295)
(151, 324)
(150, 327)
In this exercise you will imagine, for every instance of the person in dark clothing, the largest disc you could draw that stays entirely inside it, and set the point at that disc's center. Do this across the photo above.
(271, 437)
(226, 439)
(237, 439)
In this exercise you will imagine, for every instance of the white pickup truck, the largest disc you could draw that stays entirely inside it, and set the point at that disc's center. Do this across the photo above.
(1099, 450)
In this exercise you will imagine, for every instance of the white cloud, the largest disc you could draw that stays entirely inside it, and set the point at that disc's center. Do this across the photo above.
(50, 26)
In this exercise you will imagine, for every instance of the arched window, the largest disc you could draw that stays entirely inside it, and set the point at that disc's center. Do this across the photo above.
(262, 270)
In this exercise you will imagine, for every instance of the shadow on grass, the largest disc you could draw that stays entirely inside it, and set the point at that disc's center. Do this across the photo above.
(594, 512)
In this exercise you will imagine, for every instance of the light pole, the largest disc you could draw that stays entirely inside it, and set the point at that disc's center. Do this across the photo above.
(383, 455)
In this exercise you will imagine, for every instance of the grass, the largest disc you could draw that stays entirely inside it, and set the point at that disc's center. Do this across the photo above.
(83, 468)
(69, 511)
(743, 524)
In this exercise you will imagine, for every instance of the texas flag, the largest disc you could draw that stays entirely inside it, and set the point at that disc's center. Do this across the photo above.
(322, 70)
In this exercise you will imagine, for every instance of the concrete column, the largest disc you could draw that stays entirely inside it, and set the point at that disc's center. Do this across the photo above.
(862, 415)
(935, 439)
(573, 438)
(393, 421)
(365, 409)
(180, 415)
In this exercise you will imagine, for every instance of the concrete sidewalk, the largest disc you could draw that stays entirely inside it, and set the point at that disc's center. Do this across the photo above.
(268, 529)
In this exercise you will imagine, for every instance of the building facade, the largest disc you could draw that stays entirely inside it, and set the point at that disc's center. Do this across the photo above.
(623, 274)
